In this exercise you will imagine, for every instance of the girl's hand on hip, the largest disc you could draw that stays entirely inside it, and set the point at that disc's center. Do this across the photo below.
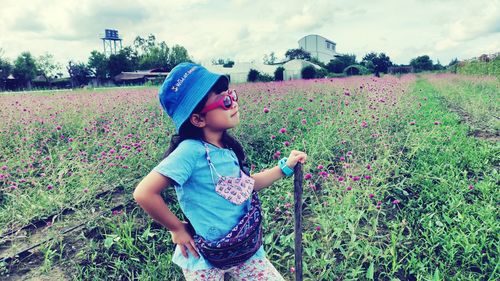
(183, 238)
(295, 157)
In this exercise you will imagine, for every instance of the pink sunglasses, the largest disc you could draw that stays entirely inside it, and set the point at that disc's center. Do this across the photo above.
(226, 102)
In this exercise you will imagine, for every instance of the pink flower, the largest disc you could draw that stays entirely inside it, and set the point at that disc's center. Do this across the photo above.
(323, 174)
(307, 176)
(437, 122)
(412, 123)
(49, 187)
(85, 190)
(471, 187)
(342, 158)
(349, 188)
(292, 269)
(4, 167)
(273, 137)
(277, 154)
(304, 121)
(368, 177)
(266, 110)
(300, 109)
(368, 167)
(318, 228)
(356, 178)
(286, 143)
(371, 195)
(312, 186)
(364, 124)
(283, 130)
(340, 178)
(58, 128)
(396, 201)
(320, 167)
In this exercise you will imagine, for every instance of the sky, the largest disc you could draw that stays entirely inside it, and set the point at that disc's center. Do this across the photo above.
(246, 30)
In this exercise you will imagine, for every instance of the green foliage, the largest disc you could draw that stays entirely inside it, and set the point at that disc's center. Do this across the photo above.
(25, 68)
(269, 59)
(47, 67)
(279, 73)
(98, 64)
(255, 76)
(376, 63)
(480, 67)
(321, 73)
(356, 69)
(5, 70)
(336, 66)
(125, 60)
(308, 72)
(228, 64)
(79, 73)
(297, 54)
(422, 63)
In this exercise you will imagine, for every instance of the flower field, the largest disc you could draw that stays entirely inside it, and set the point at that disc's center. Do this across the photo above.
(401, 181)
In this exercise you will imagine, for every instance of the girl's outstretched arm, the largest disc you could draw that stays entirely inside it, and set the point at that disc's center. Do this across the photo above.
(266, 178)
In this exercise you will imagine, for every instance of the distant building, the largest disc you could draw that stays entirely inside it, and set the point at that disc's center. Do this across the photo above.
(321, 48)
(140, 76)
(239, 72)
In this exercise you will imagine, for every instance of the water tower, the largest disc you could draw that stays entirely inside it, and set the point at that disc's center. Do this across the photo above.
(109, 41)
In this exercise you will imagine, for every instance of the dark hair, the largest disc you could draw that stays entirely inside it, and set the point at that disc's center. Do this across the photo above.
(189, 131)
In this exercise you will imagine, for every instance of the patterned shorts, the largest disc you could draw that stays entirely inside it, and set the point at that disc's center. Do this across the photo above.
(251, 270)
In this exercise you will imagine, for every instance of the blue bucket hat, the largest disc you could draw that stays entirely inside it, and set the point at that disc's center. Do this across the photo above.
(184, 88)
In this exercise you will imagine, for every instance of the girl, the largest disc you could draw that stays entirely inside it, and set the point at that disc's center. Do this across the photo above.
(214, 188)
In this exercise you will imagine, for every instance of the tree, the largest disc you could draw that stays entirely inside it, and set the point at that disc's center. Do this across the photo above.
(376, 62)
(335, 66)
(125, 60)
(253, 75)
(152, 54)
(279, 73)
(5, 69)
(308, 72)
(25, 68)
(422, 63)
(47, 67)
(297, 54)
(98, 65)
(178, 55)
(269, 59)
(438, 66)
(452, 66)
(79, 73)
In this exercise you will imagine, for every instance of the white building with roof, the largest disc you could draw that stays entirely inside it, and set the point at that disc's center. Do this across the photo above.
(238, 73)
(320, 47)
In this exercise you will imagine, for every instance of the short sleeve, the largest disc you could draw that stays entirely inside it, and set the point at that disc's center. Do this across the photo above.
(179, 164)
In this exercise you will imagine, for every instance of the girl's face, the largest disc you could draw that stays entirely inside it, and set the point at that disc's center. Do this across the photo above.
(219, 118)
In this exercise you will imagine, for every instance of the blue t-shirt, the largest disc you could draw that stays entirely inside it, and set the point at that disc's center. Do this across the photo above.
(211, 215)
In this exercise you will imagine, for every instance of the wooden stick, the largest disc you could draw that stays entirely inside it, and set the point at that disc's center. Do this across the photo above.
(297, 186)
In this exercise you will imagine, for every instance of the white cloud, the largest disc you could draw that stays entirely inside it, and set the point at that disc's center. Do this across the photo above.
(245, 30)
